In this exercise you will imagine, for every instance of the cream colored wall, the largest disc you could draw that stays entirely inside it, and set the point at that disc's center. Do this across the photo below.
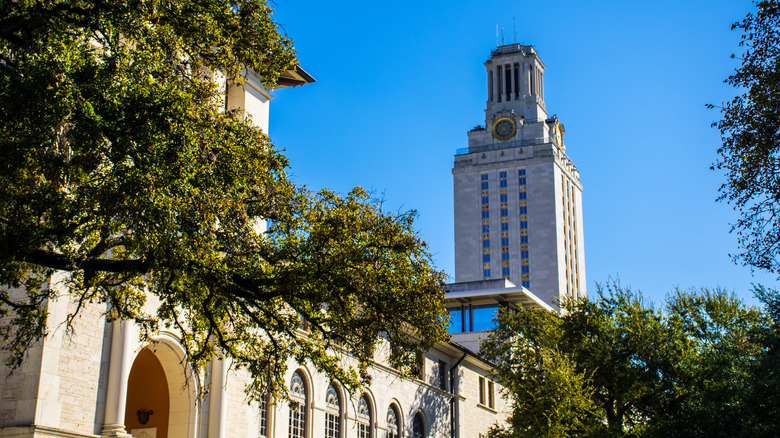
(19, 391)
(59, 384)
(474, 418)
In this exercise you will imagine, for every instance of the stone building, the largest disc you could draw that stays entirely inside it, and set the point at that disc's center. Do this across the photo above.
(101, 381)
(518, 204)
(518, 197)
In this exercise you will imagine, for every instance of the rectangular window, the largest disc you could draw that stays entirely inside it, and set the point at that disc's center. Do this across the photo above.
(504, 212)
(523, 239)
(484, 177)
(523, 210)
(523, 225)
(331, 425)
(456, 320)
(484, 185)
(483, 317)
(508, 82)
(505, 241)
(500, 83)
(490, 85)
(502, 175)
(502, 183)
(504, 271)
(524, 254)
(491, 395)
(481, 390)
(505, 256)
(485, 228)
(485, 214)
(484, 199)
(522, 195)
(526, 269)
(486, 273)
(297, 423)
(505, 226)
(485, 258)
(504, 197)
(486, 243)
(264, 415)
(526, 283)
(442, 375)
(521, 181)
(521, 172)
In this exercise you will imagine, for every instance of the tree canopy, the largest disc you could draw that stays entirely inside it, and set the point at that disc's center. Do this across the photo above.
(120, 166)
(750, 129)
(615, 366)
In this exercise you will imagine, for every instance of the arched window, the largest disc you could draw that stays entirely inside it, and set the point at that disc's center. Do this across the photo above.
(298, 406)
(364, 417)
(418, 427)
(393, 425)
(332, 412)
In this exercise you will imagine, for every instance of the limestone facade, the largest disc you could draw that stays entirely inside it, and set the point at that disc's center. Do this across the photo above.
(517, 196)
(85, 382)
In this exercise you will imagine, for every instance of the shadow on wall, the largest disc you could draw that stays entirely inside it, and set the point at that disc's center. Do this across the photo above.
(434, 407)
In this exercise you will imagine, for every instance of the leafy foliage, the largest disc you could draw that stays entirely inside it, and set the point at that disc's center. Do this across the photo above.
(120, 166)
(750, 130)
(616, 366)
(550, 397)
(764, 391)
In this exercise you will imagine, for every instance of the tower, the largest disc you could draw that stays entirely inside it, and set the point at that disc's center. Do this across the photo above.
(517, 195)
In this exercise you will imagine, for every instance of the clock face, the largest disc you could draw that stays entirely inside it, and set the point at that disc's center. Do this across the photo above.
(504, 129)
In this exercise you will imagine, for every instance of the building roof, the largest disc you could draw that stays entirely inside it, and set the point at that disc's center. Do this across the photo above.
(294, 77)
(500, 290)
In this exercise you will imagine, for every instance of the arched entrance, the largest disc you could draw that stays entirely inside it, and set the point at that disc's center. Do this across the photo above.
(148, 403)
(174, 382)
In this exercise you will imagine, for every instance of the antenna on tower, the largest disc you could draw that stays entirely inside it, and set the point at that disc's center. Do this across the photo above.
(514, 30)
(497, 35)
(502, 36)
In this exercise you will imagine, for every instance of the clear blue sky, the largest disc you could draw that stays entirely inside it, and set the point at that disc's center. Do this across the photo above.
(400, 83)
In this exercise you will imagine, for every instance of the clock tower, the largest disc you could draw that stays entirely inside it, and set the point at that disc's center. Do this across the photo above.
(518, 197)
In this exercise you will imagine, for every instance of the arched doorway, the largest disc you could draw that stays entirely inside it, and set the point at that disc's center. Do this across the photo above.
(148, 403)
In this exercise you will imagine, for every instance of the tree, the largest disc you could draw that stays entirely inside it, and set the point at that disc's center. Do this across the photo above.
(716, 373)
(120, 167)
(618, 367)
(750, 129)
(549, 396)
(613, 354)
(765, 372)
